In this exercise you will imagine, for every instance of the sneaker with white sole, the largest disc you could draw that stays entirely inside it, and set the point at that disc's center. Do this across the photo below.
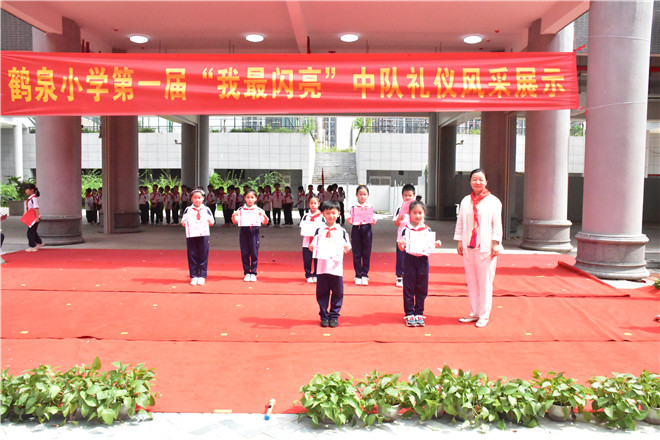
(253, 277)
(482, 322)
(411, 321)
(399, 282)
(315, 279)
(310, 279)
(419, 319)
(365, 281)
(468, 319)
(193, 281)
(247, 277)
(40, 245)
(201, 281)
(358, 281)
(32, 249)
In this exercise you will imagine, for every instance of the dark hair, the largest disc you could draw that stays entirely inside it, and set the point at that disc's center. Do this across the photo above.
(315, 197)
(300, 187)
(328, 205)
(199, 189)
(415, 204)
(361, 187)
(408, 187)
(33, 187)
(478, 170)
(248, 191)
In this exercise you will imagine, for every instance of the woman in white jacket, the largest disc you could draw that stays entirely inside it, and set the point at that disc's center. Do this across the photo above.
(479, 234)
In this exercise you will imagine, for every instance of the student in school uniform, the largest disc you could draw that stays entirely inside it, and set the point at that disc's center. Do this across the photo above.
(300, 201)
(330, 272)
(143, 201)
(34, 241)
(361, 237)
(231, 200)
(185, 198)
(400, 220)
(341, 197)
(153, 200)
(197, 219)
(211, 199)
(314, 216)
(167, 196)
(287, 206)
(309, 195)
(267, 201)
(277, 198)
(90, 212)
(176, 204)
(249, 235)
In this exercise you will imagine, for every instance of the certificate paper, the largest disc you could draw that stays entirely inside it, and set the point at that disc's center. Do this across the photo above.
(308, 229)
(405, 208)
(197, 228)
(362, 215)
(249, 217)
(420, 242)
(328, 248)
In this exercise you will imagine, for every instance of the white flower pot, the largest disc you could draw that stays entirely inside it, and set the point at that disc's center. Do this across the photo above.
(560, 413)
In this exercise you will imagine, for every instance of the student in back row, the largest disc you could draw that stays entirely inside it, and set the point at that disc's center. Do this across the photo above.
(401, 218)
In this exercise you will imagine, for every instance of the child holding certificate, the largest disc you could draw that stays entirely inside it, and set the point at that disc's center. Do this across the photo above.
(249, 217)
(308, 225)
(329, 245)
(197, 219)
(401, 217)
(362, 217)
(417, 242)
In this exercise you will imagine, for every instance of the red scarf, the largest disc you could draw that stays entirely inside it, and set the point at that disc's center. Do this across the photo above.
(199, 215)
(475, 223)
(315, 216)
(330, 229)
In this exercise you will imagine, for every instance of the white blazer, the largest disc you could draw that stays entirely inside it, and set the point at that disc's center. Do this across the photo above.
(489, 211)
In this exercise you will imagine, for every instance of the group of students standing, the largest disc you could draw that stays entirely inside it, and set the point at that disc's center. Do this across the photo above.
(478, 233)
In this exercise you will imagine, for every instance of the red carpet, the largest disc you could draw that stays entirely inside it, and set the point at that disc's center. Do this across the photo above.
(233, 345)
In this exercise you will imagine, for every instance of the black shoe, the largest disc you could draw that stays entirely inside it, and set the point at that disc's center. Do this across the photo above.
(325, 323)
(334, 322)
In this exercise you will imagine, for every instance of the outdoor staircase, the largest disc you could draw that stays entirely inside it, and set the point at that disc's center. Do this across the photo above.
(337, 167)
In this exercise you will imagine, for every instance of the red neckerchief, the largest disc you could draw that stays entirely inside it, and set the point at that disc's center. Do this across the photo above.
(199, 215)
(330, 229)
(28, 200)
(421, 227)
(475, 222)
(311, 219)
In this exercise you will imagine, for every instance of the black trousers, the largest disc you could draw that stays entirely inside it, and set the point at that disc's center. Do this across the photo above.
(329, 293)
(415, 283)
(198, 256)
(249, 241)
(33, 236)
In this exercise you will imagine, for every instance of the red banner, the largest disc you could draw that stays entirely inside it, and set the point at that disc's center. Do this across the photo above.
(39, 83)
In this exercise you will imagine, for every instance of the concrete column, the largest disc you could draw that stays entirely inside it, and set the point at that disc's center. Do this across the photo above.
(59, 146)
(120, 174)
(432, 182)
(447, 182)
(611, 244)
(188, 154)
(203, 140)
(18, 148)
(498, 159)
(545, 222)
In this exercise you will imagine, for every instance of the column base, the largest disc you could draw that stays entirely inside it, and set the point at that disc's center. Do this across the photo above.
(547, 235)
(58, 230)
(614, 257)
(127, 222)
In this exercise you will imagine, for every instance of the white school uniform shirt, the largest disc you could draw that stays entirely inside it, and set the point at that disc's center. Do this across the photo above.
(185, 197)
(32, 203)
(409, 227)
(143, 199)
(231, 201)
(277, 198)
(334, 196)
(350, 212)
(267, 201)
(341, 196)
(154, 198)
(402, 225)
(89, 202)
(168, 200)
(288, 199)
(301, 201)
(332, 267)
(489, 211)
(318, 217)
(239, 199)
(176, 198)
(202, 224)
(262, 213)
(211, 198)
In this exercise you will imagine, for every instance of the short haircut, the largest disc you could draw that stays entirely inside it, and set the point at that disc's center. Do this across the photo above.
(408, 187)
(478, 170)
(328, 205)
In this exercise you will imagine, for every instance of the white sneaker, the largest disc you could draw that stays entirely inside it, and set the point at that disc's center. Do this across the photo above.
(201, 281)
(194, 281)
(40, 245)
(253, 277)
(365, 281)
(358, 281)
(399, 282)
(32, 249)
(247, 277)
(310, 279)
(482, 322)
(315, 279)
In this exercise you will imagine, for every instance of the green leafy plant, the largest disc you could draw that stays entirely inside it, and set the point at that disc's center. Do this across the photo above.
(382, 393)
(19, 185)
(424, 395)
(83, 391)
(91, 179)
(331, 398)
(515, 400)
(616, 400)
(465, 396)
(557, 389)
(657, 284)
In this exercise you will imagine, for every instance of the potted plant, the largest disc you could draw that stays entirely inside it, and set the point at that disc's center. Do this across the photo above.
(560, 395)
(617, 399)
(381, 392)
(330, 399)
(424, 395)
(516, 400)
(464, 396)
(650, 383)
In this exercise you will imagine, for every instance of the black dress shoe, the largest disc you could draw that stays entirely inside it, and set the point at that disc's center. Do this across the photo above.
(334, 322)
(325, 323)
